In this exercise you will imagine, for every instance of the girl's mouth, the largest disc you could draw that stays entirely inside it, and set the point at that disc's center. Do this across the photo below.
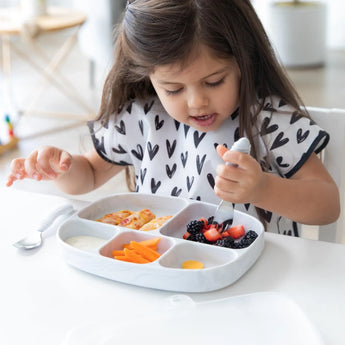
(204, 120)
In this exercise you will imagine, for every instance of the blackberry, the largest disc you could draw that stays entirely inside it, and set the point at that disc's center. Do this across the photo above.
(228, 242)
(200, 237)
(220, 243)
(195, 226)
(241, 244)
(248, 239)
(250, 235)
(191, 238)
(236, 245)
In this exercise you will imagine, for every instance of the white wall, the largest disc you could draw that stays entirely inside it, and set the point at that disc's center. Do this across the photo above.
(335, 20)
(335, 26)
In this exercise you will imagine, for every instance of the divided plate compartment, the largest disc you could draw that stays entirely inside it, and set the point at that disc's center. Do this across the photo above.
(88, 245)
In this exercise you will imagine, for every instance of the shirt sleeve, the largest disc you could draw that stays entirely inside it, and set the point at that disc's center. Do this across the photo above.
(110, 138)
(290, 139)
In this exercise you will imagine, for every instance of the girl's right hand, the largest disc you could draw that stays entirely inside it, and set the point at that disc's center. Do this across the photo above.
(46, 163)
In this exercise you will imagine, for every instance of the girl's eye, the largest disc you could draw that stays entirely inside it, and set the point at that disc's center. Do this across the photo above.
(173, 92)
(216, 83)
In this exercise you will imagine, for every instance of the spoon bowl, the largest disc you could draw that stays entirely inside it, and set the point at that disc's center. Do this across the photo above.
(34, 239)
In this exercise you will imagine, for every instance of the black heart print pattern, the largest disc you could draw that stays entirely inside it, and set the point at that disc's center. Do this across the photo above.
(121, 128)
(265, 128)
(139, 154)
(184, 157)
(158, 123)
(295, 117)
(129, 107)
(210, 180)
(181, 151)
(198, 138)
(280, 163)
(170, 147)
(281, 103)
(190, 181)
(152, 150)
(269, 107)
(141, 126)
(200, 163)
(170, 171)
(142, 175)
(279, 141)
(302, 136)
(147, 107)
(176, 191)
(155, 185)
(119, 149)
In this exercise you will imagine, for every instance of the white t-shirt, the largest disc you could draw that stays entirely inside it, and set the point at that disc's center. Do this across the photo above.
(173, 159)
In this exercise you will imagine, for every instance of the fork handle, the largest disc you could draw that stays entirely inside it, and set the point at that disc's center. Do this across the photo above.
(241, 145)
(50, 218)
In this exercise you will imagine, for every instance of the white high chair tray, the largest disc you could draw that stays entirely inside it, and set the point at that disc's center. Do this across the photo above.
(222, 266)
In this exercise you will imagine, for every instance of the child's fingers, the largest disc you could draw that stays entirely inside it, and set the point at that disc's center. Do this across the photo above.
(221, 149)
(45, 163)
(31, 167)
(17, 171)
(51, 162)
(233, 157)
(65, 161)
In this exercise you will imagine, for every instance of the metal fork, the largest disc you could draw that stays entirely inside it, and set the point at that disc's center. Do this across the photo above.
(225, 210)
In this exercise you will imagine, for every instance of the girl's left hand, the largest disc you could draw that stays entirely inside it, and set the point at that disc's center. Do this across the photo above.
(243, 183)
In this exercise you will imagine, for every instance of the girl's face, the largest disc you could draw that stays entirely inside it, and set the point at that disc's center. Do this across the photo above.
(203, 94)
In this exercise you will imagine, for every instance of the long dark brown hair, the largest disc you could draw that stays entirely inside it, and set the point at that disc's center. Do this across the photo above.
(159, 32)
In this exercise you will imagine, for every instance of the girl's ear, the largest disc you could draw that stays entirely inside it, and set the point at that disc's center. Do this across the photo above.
(221, 149)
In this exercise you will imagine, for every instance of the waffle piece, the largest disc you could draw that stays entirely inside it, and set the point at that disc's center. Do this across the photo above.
(155, 223)
(115, 218)
(137, 219)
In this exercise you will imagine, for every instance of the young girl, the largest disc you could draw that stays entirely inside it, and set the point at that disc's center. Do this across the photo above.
(190, 77)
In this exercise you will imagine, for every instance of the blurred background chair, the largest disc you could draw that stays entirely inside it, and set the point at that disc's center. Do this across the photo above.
(96, 36)
(333, 157)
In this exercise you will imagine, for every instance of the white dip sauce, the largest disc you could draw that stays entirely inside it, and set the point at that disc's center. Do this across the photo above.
(85, 242)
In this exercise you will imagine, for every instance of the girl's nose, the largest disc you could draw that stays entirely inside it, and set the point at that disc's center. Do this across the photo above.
(197, 100)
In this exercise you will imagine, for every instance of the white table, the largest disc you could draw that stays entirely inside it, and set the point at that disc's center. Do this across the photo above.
(42, 298)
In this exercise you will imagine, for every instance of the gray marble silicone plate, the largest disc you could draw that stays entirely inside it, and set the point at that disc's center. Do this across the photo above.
(88, 245)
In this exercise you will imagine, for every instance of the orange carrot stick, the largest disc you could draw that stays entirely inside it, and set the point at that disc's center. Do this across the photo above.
(151, 243)
(136, 257)
(146, 252)
(118, 253)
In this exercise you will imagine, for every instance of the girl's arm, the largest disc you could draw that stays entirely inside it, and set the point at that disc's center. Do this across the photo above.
(310, 196)
(73, 174)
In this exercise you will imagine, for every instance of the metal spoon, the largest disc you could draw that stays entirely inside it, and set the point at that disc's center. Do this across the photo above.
(35, 238)
(225, 210)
